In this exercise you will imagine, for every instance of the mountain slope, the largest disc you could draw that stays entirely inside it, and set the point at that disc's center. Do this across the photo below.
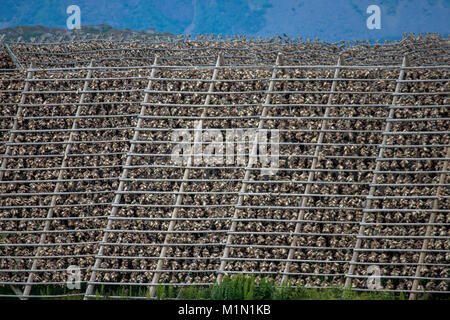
(327, 20)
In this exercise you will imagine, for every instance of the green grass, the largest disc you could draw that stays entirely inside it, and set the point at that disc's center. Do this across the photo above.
(243, 287)
(238, 287)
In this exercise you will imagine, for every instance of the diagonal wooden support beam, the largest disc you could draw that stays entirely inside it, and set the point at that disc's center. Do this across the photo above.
(368, 200)
(429, 229)
(251, 160)
(13, 57)
(179, 199)
(58, 185)
(17, 292)
(124, 175)
(12, 134)
(312, 173)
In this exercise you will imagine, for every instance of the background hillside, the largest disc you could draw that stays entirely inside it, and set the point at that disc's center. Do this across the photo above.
(328, 20)
(103, 30)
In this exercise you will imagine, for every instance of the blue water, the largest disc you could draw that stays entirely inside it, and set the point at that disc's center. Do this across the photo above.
(331, 20)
